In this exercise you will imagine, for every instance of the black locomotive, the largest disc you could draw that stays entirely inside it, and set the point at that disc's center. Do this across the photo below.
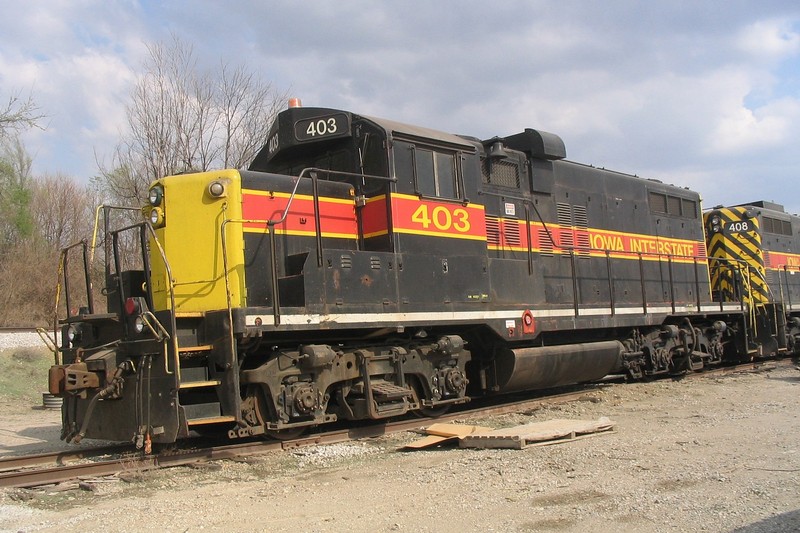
(362, 268)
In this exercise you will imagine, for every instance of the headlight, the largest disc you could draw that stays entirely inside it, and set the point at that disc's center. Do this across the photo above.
(138, 323)
(156, 195)
(72, 333)
(156, 217)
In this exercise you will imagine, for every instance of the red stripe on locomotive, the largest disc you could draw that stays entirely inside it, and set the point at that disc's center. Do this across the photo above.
(374, 217)
(440, 219)
(782, 259)
(337, 218)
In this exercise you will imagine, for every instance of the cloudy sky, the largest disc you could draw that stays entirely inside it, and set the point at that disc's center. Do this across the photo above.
(703, 94)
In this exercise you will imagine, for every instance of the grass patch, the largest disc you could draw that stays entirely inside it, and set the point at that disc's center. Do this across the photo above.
(23, 373)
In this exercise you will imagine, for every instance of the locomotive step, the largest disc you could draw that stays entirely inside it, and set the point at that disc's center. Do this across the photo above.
(202, 413)
(199, 384)
(210, 420)
(189, 314)
(192, 349)
(383, 390)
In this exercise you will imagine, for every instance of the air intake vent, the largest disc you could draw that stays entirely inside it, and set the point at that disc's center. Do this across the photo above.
(492, 230)
(511, 232)
(503, 233)
(581, 226)
(546, 244)
(565, 221)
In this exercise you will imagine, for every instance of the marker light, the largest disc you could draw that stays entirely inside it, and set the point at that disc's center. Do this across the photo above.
(216, 189)
(131, 306)
(715, 224)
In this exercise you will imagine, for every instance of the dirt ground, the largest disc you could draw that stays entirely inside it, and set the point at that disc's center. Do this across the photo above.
(714, 454)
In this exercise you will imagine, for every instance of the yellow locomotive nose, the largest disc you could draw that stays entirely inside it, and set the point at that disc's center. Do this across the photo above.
(188, 212)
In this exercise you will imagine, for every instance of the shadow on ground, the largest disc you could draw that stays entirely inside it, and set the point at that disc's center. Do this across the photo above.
(782, 523)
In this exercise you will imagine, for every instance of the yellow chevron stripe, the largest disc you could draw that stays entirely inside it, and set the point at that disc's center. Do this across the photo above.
(737, 243)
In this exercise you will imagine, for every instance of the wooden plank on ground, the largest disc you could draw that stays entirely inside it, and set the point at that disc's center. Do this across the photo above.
(537, 434)
(439, 433)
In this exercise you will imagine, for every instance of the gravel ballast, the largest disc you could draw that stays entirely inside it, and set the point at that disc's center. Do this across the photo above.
(26, 339)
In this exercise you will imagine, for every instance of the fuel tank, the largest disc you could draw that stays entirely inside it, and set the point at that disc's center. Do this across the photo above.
(543, 367)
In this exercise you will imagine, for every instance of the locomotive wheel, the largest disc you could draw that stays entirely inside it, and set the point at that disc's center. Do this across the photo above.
(430, 412)
(264, 414)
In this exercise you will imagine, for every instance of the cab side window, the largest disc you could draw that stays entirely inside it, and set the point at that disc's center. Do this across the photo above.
(435, 173)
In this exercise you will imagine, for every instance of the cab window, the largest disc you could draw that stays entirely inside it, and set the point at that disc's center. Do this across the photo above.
(435, 173)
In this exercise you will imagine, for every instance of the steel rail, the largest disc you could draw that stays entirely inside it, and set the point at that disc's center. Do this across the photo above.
(14, 329)
(61, 457)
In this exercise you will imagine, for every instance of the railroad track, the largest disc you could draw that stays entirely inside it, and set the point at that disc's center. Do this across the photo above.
(51, 468)
(5, 329)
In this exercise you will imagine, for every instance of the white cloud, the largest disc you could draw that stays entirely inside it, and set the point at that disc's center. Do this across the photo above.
(695, 91)
(769, 39)
(743, 129)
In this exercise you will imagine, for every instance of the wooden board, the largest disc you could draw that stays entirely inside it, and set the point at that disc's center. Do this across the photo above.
(439, 433)
(537, 434)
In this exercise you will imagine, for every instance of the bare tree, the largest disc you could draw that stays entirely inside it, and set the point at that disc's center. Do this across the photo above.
(183, 119)
(19, 115)
(247, 111)
(62, 210)
(62, 213)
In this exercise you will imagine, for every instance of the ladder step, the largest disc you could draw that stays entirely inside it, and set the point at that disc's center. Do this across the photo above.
(201, 348)
(210, 420)
(383, 390)
(202, 411)
(198, 384)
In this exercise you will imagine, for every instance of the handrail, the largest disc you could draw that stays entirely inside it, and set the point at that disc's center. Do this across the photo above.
(62, 280)
(87, 278)
(226, 269)
(739, 265)
(746, 273)
(88, 261)
(145, 228)
(572, 249)
(641, 281)
(171, 288)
